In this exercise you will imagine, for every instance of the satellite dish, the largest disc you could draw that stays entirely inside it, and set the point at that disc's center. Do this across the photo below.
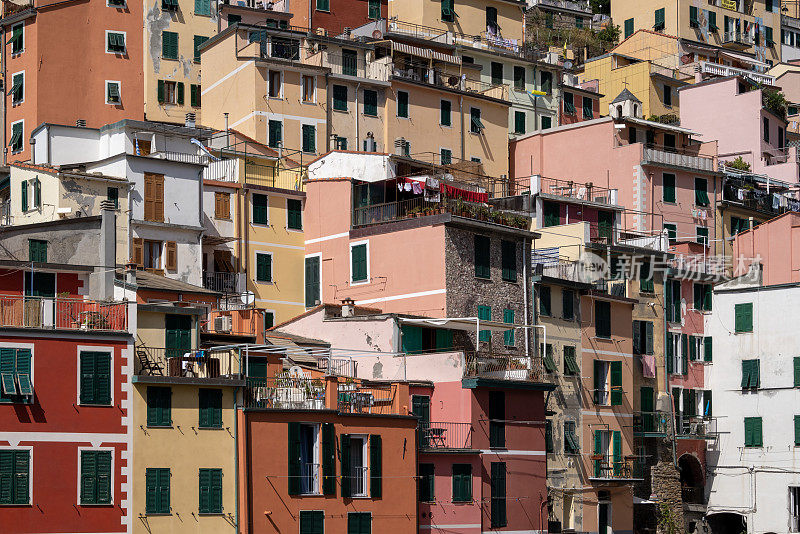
(248, 297)
(296, 371)
(568, 64)
(376, 34)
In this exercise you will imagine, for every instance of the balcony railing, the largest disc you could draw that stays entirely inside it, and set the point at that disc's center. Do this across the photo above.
(676, 158)
(309, 478)
(751, 197)
(180, 157)
(571, 5)
(419, 31)
(715, 69)
(286, 393)
(358, 481)
(240, 322)
(5, 213)
(358, 67)
(651, 422)
(419, 207)
(503, 366)
(358, 398)
(605, 468)
(222, 282)
(346, 367)
(737, 38)
(696, 426)
(445, 435)
(225, 170)
(59, 313)
(270, 176)
(451, 80)
(176, 362)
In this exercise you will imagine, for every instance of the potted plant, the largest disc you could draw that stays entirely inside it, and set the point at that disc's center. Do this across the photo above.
(483, 213)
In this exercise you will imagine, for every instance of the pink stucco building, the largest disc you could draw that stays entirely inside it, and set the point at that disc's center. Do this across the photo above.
(776, 245)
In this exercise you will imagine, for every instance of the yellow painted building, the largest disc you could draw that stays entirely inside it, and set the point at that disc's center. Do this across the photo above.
(172, 31)
(731, 24)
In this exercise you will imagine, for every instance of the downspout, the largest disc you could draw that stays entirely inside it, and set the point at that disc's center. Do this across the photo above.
(666, 385)
(236, 452)
(245, 220)
(358, 138)
(526, 280)
(461, 112)
(5, 101)
(329, 113)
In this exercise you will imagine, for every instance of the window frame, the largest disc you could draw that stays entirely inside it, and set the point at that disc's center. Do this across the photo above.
(303, 80)
(270, 79)
(29, 450)
(253, 210)
(119, 92)
(305, 148)
(373, 110)
(162, 510)
(300, 518)
(445, 156)
(406, 105)
(21, 147)
(744, 306)
(289, 227)
(200, 407)
(271, 279)
(673, 187)
(21, 49)
(479, 266)
(464, 498)
(124, 50)
(337, 103)
(159, 423)
(352, 245)
(476, 125)
(449, 123)
(22, 98)
(111, 450)
(214, 511)
(112, 383)
(164, 34)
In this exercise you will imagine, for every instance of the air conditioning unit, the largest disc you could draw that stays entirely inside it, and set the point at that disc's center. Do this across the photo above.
(223, 323)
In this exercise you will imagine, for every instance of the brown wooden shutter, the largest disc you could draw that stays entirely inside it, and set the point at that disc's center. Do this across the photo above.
(148, 197)
(172, 256)
(138, 251)
(226, 205)
(159, 197)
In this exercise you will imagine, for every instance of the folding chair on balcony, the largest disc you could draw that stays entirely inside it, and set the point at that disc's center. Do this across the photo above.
(147, 365)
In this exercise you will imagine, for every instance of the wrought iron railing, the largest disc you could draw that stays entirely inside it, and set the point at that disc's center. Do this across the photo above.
(287, 393)
(309, 478)
(677, 158)
(180, 157)
(270, 176)
(358, 398)
(58, 313)
(605, 467)
(445, 435)
(451, 80)
(222, 282)
(651, 422)
(503, 366)
(179, 362)
(358, 481)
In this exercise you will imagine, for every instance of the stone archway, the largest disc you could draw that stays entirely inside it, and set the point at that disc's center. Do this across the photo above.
(727, 523)
(692, 479)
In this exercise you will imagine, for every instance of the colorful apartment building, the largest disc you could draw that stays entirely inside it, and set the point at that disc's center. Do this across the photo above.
(749, 27)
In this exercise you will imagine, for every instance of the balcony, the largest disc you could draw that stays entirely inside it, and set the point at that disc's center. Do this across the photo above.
(779, 156)
(605, 469)
(180, 363)
(59, 313)
(696, 426)
(503, 367)
(566, 5)
(274, 176)
(180, 157)
(442, 436)
(714, 69)
(749, 195)
(232, 322)
(221, 282)
(285, 393)
(356, 397)
(651, 423)
(451, 80)
(5, 213)
(674, 157)
(358, 67)
(224, 170)
(737, 40)
(586, 192)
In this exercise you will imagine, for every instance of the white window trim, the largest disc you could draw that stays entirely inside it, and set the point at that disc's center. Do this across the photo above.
(480, 117)
(269, 81)
(22, 101)
(119, 88)
(123, 6)
(315, 255)
(271, 281)
(11, 132)
(313, 100)
(606, 384)
(350, 261)
(124, 38)
(440, 113)
(697, 234)
(29, 346)
(316, 456)
(23, 38)
(252, 204)
(365, 463)
(92, 348)
(302, 219)
(113, 464)
(28, 448)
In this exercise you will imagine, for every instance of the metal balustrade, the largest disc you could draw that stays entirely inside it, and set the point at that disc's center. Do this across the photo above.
(59, 313)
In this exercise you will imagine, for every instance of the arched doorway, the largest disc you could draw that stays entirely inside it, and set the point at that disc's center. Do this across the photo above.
(727, 523)
(692, 479)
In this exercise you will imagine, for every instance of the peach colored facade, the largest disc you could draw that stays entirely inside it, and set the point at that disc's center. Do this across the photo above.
(776, 243)
(56, 88)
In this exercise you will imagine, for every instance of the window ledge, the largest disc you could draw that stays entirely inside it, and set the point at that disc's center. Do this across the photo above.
(97, 505)
(159, 426)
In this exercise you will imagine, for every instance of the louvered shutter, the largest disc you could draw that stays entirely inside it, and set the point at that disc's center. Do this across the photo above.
(670, 353)
(204, 505)
(88, 477)
(160, 91)
(102, 381)
(138, 251)
(163, 490)
(180, 93)
(616, 383)
(617, 441)
(344, 457)
(375, 466)
(684, 354)
(745, 374)
(796, 371)
(328, 459)
(598, 447)
(172, 255)
(6, 477)
(103, 477)
(151, 491)
(498, 488)
(294, 458)
(648, 335)
(87, 394)
(216, 491)
(21, 477)
(637, 337)
(599, 380)
(8, 370)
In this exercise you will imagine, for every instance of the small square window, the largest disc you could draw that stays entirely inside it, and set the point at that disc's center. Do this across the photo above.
(113, 95)
(115, 42)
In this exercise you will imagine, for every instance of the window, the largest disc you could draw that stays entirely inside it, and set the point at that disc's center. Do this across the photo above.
(275, 134)
(497, 73)
(509, 260)
(546, 80)
(15, 375)
(667, 96)
(448, 11)
(17, 39)
(157, 490)
(15, 476)
(153, 197)
(233, 19)
(702, 235)
(151, 250)
(263, 267)
(519, 122)
(370, 103)
(588, 113)
(222, 205)
(482, 256)
(545, 307)
(485, 314)
(170, 92)
(373, 9)
(95, 477)
(340, 97)
(672, 232)
(702, 297)
(210, 498)
(475, 125)
(115, 42)
(312, 281)
(628, 28)
(159, 406)
(445, 156)
(462, 483)
(643, 337)
(546, 123)
(766, 129)
(349, 62)
(631, 134)
(677, 354)
(548, 436)
(113, 196)
(169, 45)
(426, 483)
(294, 208)
(312, 522)
(794, 507)
(751, 371)
(796, 363)
(571, 442)
(198, 41)
(353, 457)
(569, 103)
(95, 380)
(508, 335)
(659, 24)
(701, 192)
(359, 267)
(444, 113)
(309, 138)
(16, 143)
(743, 317)
(359, 523)
(602, 311)
(260, 210)
(323, 5)
(712, 21)
(113, 93)
(646, 282)
(169, 5)
(752, 432)
(17, 88)
(568, 304)
(519, 78)
(37, 250)
(275, 88)
(498, 495)
(694, 21)
(309, 92)
(547, 358)
(739, 225)
(497, 418)
(668, 188)
(210, 408)
(769, 39)
(402, 104)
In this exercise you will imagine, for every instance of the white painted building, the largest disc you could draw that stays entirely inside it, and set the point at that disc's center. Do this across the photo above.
(754, 467)
(163, 166)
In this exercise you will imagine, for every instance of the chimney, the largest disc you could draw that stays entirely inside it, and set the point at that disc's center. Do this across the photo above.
(130, 273)
(348, 307)
(191, 120)
(80, 123)
(104, 273)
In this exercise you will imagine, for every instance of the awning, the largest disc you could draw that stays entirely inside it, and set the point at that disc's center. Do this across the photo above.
(447, 58)
(413, 50)
(465, 324)
(214, 240)
(743, 58)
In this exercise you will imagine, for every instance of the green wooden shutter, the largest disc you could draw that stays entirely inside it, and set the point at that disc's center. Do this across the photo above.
(668, 188)
(617, 442)
(462, 482)
(426, 483)
(648, 337)
(294, 458)
(260, 206)
(312, 522)
(545, 301)
(309, 138)
(743, 317)
(684, 354)
(6, 477)
(87, 383)
(344, 457)
(602, 319)
(519, 122)
(707, 349)
(328, 459)
(444, 339)
(670, 353)
(498, 489)
(204, 505)
(444, 113)
(637, 337)
(796, 371)
(198, 42)
(616, 383)
(567, 304)
(482, 256)
(485, 314)
(163, 490)
(755, 375)
(160, 91)
(508, 335)
(548, 436)
(210, 408)
(24, 195)
(159, 400)
(797, 430)
(275, 135)
(509, 260)
(88, 477)
(402, 104)
(598, 447)
(102, 382)
(370, 102)
(358, 255)
(647, 407)
(746, 374)
(23, 371)
(103, 463)
(497, 416)
(194, 95)
(692, 349)
(179, 98)
(628, 28)
(375, 466)
(151, 491)
(21, 477)
(264, 267)
(312, 281)
(295, 209)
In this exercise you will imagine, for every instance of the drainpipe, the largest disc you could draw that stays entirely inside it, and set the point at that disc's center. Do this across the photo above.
(526, 281)
(5, 100)
(669, 391)
(358, 86)
(236, 452)
(461, 112)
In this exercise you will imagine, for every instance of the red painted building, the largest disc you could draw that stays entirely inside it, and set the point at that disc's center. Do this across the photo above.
(336, 15)
(578, 105)
(64, 385)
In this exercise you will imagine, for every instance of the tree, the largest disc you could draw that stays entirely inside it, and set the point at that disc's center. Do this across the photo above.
(739, 164)
(601, 6)
(609, 35)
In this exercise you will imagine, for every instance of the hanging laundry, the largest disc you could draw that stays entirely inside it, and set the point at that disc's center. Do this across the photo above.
(740, 194)
(399, 186)
(416, 187)
(776, 201)
(407, 187)
(432, 183)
